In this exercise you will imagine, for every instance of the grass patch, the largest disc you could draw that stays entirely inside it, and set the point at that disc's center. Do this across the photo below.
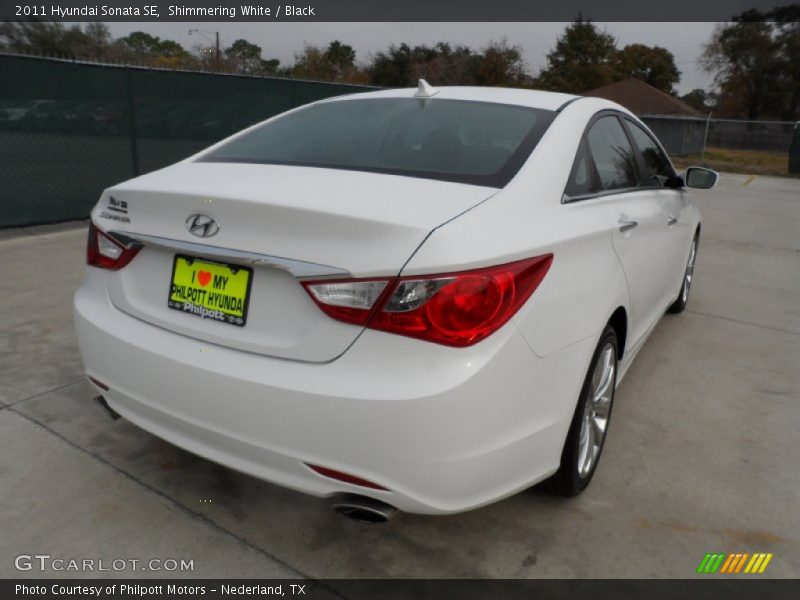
(748, 162)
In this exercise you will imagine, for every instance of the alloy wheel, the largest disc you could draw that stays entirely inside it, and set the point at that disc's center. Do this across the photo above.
(597, 410)
(687, 278)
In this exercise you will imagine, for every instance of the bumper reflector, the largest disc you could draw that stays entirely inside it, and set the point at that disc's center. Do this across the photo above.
(98, 383)
(345, 477)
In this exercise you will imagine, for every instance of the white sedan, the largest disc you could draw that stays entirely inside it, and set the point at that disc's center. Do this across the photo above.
(420, 299)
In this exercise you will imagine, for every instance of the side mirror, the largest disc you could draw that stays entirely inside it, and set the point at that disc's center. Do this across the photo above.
(701, 178)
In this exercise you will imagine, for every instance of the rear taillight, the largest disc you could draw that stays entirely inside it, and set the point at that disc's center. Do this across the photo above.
(350, 301)
(105, 253)
(455, 309)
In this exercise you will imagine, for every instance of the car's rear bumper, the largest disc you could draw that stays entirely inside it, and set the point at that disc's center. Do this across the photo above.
(443, 429)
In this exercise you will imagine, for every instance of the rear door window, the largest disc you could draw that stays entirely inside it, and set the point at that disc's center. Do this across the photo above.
(612, 154)
(582, 179)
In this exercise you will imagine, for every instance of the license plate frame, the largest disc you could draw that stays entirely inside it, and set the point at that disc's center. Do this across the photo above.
(205, 300)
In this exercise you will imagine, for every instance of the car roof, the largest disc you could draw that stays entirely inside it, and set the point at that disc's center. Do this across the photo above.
(519, 97)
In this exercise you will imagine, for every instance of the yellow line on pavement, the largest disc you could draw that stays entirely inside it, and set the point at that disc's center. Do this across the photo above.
(749, 179)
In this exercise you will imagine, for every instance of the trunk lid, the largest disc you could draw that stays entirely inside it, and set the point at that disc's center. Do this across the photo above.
(315, 221)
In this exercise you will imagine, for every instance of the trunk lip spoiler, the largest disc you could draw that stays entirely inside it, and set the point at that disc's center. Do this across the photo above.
(300, 269)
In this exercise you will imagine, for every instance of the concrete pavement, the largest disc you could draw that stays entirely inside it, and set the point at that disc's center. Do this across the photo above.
(701, 455)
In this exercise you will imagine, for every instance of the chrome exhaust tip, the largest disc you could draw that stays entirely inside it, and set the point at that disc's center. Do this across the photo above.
(362, 509)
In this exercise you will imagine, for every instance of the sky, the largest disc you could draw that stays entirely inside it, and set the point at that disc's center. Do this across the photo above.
(283, 40)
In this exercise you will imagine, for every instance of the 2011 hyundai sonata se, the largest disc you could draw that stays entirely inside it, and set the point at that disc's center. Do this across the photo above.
(419, 298)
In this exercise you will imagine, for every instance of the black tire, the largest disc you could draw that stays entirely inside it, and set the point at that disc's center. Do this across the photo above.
(568, 481)
(679, 305)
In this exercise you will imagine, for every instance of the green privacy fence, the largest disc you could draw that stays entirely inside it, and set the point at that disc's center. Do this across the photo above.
(68, 130)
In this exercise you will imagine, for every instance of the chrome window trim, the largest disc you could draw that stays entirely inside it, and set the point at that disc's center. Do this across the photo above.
(566, 199)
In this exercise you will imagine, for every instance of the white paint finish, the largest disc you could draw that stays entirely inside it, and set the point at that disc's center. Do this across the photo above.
(322, 216)
(429, 424)
(281, 319)
(643, 252)
(314, 215)
(445, 429)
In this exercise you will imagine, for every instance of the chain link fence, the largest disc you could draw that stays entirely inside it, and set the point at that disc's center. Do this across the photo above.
(68, 130)
(682, 136)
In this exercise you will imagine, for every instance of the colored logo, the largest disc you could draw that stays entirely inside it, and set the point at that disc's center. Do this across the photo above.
(736, 563)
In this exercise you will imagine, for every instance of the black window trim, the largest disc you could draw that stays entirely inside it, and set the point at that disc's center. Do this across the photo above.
(566, 198)
(568, 102)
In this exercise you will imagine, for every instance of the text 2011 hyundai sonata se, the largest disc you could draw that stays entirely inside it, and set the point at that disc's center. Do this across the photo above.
(415, 298)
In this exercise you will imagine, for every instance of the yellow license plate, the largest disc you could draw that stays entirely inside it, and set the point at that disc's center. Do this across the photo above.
(210, 290)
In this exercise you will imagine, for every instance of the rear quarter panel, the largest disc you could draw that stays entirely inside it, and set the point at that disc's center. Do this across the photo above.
(585, 283)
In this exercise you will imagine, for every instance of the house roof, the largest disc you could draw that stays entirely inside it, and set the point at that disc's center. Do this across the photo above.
(643, 99)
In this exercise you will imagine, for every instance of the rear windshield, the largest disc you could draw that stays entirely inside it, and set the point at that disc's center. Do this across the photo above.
(479, 143)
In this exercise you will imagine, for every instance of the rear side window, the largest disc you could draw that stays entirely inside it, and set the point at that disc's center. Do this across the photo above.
(657, 169)
(612, 154)
(480, 143)
(582, 178)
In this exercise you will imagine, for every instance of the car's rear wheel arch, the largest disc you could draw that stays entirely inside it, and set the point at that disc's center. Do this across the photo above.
(619, 321)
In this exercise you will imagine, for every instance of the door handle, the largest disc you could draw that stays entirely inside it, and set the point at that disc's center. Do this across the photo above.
(626, 224)
(671, 220)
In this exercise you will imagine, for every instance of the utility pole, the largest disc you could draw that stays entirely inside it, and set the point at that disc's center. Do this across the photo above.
(217, 55)
(705, 140)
